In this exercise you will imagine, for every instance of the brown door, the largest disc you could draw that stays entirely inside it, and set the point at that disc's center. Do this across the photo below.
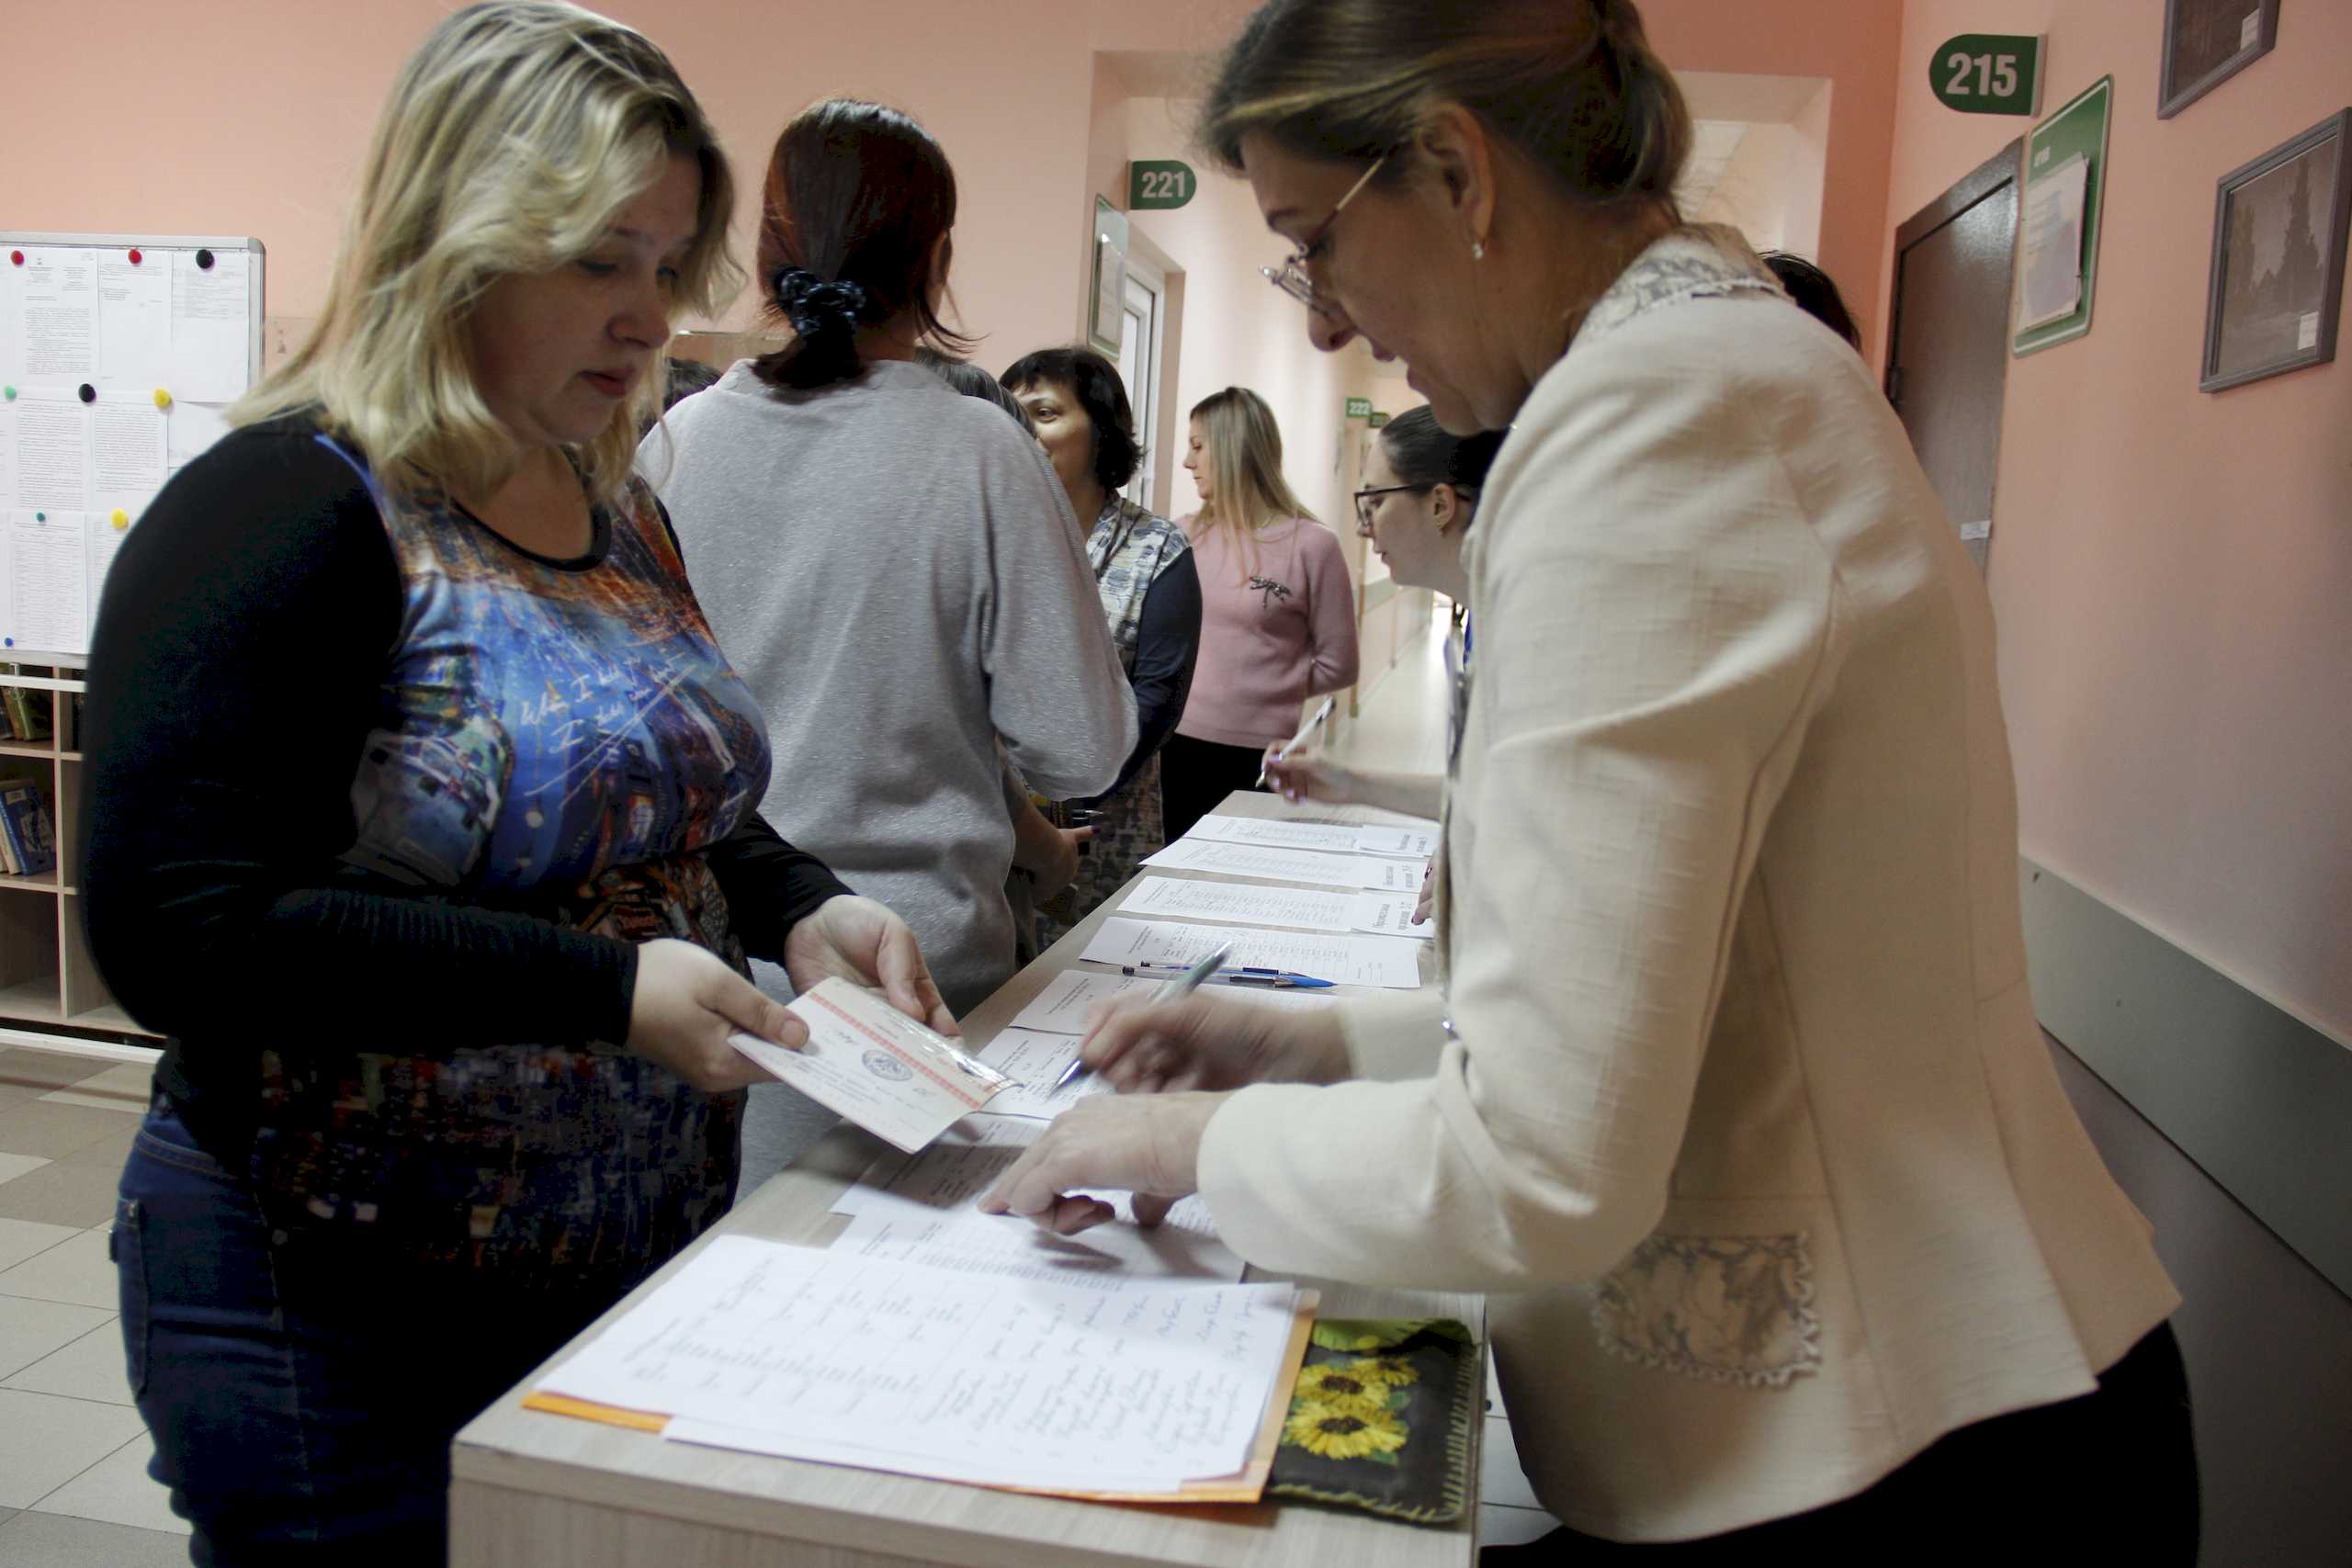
(1949, 350)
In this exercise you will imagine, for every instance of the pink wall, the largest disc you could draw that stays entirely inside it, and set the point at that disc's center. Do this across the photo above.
(2172, 570)
(1852, 43)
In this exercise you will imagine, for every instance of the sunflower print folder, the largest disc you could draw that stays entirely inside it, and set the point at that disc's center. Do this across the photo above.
(1385, 1417)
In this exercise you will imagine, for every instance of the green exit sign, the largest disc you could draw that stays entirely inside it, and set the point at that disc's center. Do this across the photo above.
(1988, 74)
(1359, 408)
(1159, 185)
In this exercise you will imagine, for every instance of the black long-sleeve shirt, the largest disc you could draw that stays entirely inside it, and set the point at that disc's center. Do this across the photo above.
(1168, 645)
(236, 671)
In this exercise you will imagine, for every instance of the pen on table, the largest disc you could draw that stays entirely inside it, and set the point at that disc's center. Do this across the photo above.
(1303, 731)
(1182, 985)
(1243, 975)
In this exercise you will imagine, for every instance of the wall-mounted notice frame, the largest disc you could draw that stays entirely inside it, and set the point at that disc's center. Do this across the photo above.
(2063, 187)
(1109, 301)
(119, 355)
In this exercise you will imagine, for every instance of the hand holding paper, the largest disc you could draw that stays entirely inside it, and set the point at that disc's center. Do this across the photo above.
(883, 1071)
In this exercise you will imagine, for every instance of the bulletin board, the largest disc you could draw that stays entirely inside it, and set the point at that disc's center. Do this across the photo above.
(119, 355)
(2061, 198)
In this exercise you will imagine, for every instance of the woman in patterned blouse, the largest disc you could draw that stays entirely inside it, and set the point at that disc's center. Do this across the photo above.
(1151, 596)
(420, 808)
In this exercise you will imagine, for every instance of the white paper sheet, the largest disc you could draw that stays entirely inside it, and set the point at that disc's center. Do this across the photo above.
(2051, 270)
(930, 1199)
(880, 1068)
(1381, 873)
(52, 450)
(1061, 1008)
(135, 317)
(1014, 1378)
(57, 292)
(191, 428)
(1414, 836)
(211, 327)
(1389, 961)
(101, 540)
(1167, 897)
(1035, 1061)
(7, 457)
(48, 607)
(127, 444)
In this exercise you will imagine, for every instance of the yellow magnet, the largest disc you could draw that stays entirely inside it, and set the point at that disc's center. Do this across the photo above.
(162, 398)
(120, 519)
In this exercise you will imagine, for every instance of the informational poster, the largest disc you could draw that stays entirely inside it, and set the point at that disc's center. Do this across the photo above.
(118, 359)
(2063, 188)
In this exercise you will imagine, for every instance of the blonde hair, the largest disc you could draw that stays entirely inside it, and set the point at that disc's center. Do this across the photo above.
(513, 137)
(1247, 490)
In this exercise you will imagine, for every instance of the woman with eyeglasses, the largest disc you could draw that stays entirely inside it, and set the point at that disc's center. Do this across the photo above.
(1419, 495)
(1731, 1093)
(1278, 614)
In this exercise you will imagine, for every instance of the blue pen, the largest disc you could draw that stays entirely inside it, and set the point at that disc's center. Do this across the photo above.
(1174, 991)
(1242, 974)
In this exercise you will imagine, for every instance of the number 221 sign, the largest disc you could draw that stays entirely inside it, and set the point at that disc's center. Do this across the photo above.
(1988, 74)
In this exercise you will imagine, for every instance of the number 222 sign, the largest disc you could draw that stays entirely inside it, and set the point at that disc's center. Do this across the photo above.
(1988, 74)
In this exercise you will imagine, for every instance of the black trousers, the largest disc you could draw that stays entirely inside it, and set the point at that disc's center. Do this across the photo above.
(2108, 1477)
(1195, 775)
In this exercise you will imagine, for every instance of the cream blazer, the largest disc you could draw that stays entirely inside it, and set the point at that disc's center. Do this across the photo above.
(1733, 1095)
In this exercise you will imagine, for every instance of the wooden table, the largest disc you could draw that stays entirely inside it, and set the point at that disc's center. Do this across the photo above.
(531, 1490)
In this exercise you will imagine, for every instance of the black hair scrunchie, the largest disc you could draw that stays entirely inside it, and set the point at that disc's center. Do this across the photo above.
(815, 306)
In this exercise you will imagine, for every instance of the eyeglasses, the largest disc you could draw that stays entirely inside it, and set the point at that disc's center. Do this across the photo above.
(1365, 497)
(1291, 277)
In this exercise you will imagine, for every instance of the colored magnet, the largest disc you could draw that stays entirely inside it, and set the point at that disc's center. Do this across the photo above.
(204, 260)
(88, 393)
(162, 398)
(15, 258)
(120, 518)
(40, 516)
(134, 258)
(10, 393)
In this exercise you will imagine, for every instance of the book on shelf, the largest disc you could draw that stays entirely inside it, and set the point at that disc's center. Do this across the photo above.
(28, 713)
(27, 830)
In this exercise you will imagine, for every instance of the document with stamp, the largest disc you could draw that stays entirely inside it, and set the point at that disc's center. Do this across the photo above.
(873, 1064)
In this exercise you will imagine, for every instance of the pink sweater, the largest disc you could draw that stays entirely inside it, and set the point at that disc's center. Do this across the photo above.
(1278, 625)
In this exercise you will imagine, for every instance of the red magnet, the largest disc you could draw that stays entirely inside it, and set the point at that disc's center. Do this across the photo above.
(15, 258)
(134, 258)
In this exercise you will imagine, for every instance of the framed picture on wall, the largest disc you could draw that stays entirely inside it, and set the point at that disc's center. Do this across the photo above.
(2208, 41)
(2277, 284)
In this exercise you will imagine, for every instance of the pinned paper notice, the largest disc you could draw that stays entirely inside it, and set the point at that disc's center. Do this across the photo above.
(2307, 329)
(2050, 272)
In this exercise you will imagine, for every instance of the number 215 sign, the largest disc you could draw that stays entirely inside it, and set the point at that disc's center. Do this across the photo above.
(1989, 73)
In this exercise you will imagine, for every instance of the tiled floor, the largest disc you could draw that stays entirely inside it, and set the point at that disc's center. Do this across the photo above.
(74, 1487)
(1401, 725)
(74, 1484)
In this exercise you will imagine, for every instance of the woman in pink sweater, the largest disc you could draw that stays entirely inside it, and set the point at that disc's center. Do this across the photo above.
(1278, 618)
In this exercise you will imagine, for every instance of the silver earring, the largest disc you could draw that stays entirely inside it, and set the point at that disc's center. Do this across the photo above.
(1477, 250)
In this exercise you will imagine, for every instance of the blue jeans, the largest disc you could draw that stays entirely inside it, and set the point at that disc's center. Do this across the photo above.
(302, 1398)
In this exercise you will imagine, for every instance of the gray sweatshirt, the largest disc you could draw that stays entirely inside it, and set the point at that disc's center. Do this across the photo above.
(896, 572)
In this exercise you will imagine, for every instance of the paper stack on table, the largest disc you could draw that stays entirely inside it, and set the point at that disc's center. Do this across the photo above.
(922, 1210)
(1380, 872)
(1385, 961)
(1414, 836)
(1389, 914)
(891, 1366)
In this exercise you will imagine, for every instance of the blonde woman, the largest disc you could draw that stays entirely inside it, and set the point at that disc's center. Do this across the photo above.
(1732, 1093)
(422, 808)
(1278, 623)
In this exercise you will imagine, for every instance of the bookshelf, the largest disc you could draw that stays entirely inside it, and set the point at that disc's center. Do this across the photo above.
(49, 983)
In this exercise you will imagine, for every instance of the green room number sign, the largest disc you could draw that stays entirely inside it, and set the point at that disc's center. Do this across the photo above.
(1159, 185)
(1988, 74)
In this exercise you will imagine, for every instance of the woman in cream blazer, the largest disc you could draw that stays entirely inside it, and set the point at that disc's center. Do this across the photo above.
(1733, 1094)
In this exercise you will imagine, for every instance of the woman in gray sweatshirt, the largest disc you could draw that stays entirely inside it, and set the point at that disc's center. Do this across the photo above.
(893, 569)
